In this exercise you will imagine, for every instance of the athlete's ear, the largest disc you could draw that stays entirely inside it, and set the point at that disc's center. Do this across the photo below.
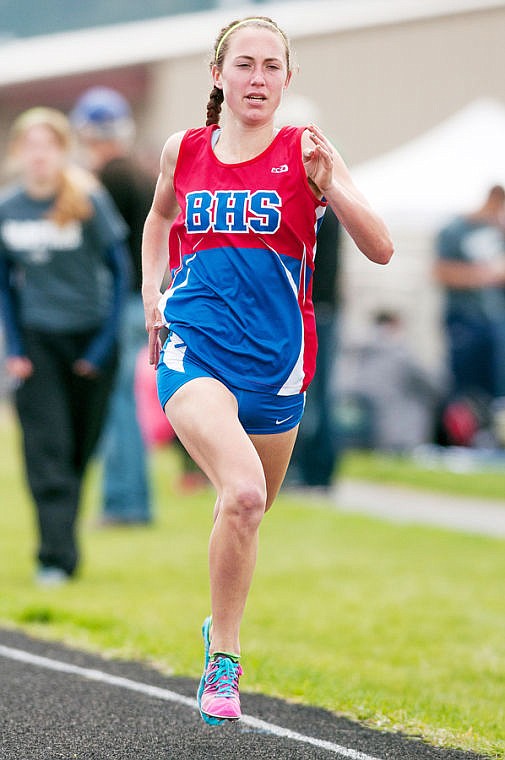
(216, 77)
(288, 80)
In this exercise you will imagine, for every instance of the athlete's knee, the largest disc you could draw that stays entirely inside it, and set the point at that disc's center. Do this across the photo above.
(245, 503)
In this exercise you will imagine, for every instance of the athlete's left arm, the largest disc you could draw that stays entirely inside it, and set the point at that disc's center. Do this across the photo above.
(328, 172)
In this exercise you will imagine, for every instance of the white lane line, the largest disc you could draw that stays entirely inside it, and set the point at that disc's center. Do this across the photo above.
(171, 696)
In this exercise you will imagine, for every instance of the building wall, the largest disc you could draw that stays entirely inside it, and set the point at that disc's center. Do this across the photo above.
(382, 86)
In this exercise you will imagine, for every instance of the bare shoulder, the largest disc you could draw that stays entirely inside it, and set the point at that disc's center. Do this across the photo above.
(164, 201)
(170, 152)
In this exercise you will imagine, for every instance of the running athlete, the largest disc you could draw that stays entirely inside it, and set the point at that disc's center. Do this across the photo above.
(240, 205)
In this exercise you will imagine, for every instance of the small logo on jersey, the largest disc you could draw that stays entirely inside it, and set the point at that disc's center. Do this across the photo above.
(280, 169)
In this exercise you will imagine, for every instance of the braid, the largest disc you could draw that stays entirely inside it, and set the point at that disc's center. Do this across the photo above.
(214, 106)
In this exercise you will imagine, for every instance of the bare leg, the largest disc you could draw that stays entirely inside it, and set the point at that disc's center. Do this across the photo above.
(247, 475)
(275, 452)
(234, 545)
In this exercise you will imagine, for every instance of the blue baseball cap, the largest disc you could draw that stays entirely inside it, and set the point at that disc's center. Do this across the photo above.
(102, 112)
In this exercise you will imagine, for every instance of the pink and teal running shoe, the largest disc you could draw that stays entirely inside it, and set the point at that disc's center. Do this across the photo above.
(218, 697)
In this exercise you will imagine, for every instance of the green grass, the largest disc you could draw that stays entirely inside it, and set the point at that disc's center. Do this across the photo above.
(400, 470)
(400, 627)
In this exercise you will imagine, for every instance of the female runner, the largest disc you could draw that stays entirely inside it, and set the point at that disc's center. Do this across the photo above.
(240, 203)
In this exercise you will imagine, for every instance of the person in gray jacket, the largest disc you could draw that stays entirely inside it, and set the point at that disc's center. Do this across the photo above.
(63, 275)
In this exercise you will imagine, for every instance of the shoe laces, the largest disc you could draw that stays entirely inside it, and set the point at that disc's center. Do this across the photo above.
(222, 676)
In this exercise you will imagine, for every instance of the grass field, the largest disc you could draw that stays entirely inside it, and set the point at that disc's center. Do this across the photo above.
(400, 627)
(399, 470)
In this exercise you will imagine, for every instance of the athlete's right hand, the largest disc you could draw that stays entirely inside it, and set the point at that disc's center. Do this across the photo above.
(154, 342)
(154, 321)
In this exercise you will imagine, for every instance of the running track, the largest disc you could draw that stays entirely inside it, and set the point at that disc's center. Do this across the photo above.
(61, 704)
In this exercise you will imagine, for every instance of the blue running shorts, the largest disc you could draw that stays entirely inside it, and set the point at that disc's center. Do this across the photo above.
(259, 413)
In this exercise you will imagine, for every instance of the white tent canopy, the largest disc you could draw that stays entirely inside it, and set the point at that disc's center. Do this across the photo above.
(416, 188)
(445, 171)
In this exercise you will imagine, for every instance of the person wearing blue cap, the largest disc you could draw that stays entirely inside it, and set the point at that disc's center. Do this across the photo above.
(103, 121)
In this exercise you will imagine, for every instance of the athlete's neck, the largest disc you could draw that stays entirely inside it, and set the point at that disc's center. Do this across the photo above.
(238, 143)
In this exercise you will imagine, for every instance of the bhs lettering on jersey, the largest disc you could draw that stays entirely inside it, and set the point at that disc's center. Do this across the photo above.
(233, 211)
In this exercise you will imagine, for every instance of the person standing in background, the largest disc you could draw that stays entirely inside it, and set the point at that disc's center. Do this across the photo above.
(470, 267)
(384, 375)
(315, 458)
(63, 277)
(103, 121)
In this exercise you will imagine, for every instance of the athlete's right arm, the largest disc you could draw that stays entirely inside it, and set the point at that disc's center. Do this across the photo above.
(163, 211)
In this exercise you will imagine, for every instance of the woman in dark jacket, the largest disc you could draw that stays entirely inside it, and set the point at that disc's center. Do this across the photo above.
(62, 280)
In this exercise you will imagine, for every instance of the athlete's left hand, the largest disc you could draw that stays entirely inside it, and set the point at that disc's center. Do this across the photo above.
(318, 160)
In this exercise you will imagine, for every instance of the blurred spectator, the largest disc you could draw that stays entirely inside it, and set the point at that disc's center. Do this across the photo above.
(62, 285)
(383, 377)
(103, 121)
(471, 268)
(316, 454)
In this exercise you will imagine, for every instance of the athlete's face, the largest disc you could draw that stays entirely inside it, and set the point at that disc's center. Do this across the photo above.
(41, 155)
(254, 74)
